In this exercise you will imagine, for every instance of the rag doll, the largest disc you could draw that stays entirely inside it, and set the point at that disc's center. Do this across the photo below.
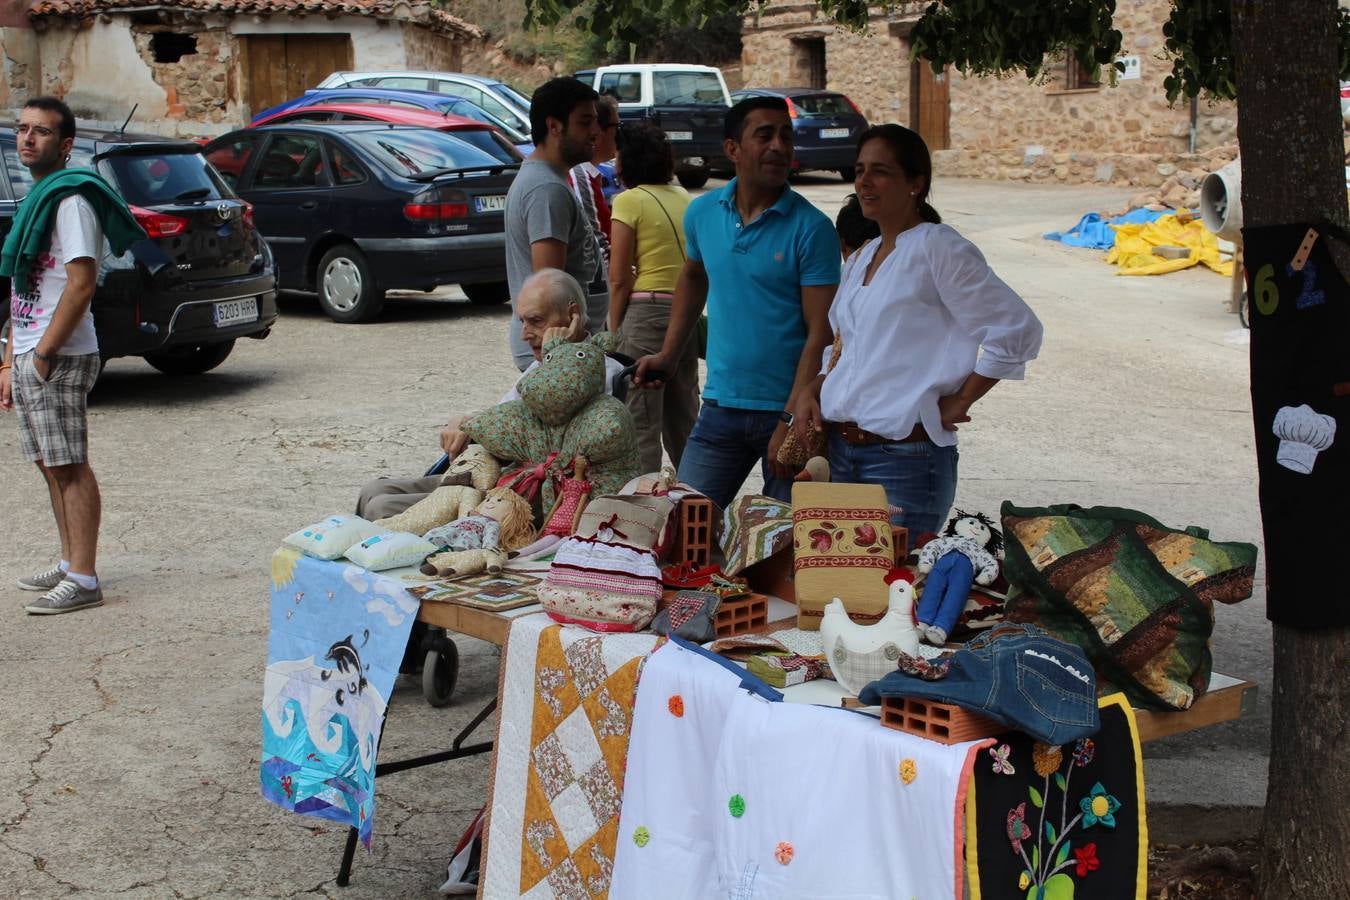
(480, 541)
(966, 553)
(564, 412)
(473, 472)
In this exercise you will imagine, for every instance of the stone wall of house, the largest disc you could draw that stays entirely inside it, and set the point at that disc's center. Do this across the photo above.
(19, 66)
(1124, 134)
(423, 49)
(201, 87)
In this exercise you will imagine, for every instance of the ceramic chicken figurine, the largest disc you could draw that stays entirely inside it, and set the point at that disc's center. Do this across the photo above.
(860, 654)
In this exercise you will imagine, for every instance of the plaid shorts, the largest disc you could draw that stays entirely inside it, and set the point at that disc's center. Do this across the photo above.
(53, 428)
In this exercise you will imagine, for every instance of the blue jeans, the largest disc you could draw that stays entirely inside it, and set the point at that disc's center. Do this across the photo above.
(919, 477)
(722, 449)
(946, 591)
(1014, 674)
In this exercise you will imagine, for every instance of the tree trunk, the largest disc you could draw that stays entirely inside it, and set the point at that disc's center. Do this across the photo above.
(1290, 135)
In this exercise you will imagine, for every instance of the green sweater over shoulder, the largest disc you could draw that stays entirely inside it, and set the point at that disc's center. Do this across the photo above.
(31, 234)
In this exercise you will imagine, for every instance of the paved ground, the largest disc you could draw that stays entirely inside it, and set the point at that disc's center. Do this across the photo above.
(131, 733)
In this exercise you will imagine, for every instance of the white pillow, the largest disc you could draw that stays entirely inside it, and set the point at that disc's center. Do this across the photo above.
(390, 550)
(331, 537)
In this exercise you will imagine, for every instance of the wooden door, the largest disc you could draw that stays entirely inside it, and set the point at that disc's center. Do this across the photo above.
(929, 105)
(282, 66)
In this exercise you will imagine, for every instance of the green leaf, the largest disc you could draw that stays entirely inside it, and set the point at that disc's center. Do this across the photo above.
(1062, 855)
(1059, 887)
(1036, 856)
(1036, 797)
(1059, 781)
(1050, 832)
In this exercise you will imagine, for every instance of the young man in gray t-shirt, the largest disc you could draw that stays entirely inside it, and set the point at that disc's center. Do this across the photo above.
(545, 225)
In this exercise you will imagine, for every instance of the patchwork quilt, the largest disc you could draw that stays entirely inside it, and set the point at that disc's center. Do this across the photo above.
(565, 715)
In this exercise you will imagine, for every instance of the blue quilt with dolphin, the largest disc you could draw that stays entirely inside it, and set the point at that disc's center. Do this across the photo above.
(336, 641)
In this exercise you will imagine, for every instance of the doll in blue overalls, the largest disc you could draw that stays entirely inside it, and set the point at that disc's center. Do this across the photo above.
(964, 554)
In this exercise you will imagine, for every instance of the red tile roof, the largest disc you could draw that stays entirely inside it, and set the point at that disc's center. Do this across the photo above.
(417, 11)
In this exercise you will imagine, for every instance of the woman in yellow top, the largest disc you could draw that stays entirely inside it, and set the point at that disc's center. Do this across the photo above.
(645, 258)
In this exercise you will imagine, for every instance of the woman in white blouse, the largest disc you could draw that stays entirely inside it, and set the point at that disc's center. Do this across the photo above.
(926, 329)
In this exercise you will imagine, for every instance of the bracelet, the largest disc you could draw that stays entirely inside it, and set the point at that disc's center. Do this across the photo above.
(37, 354)
(4, 366)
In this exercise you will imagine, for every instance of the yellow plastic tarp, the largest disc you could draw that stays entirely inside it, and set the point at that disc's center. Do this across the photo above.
(1133, 250)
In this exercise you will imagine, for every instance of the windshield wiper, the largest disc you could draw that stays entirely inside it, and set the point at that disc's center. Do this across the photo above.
(194, 194)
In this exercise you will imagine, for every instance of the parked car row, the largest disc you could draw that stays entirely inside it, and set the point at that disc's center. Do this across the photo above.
(353, 210)
(371, 182)
(201, 279)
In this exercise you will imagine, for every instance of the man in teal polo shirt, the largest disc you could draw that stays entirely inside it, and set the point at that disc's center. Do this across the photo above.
(766, 263)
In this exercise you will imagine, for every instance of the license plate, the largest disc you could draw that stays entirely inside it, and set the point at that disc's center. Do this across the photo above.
(232, 312)
(834, 132)
(680, 135)
(493, 203)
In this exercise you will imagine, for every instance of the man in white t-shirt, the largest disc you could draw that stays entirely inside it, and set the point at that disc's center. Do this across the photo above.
(52, 361)
(551, 304)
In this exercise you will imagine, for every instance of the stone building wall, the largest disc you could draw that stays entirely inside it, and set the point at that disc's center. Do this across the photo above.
(1011, 127)
(428, 50)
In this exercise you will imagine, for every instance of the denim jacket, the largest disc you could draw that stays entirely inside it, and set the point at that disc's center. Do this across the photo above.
(1014, 674)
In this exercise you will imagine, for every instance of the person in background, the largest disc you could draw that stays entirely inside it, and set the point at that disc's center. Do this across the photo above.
(51, 361)
(927, 329)
(586, 179)
(766, 264)
(551, 304)
(646, 256)
(853, 227)
(546, 227)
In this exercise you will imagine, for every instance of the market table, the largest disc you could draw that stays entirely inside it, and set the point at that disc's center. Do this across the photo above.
(1228, 698)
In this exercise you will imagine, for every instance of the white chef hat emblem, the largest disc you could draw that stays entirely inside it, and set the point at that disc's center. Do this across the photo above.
(1303, 433)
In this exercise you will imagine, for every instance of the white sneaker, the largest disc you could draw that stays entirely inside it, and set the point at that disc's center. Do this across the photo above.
(43, 581)
(66, 597)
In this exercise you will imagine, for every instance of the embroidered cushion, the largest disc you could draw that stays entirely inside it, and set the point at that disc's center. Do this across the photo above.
(390, 550)
(330, 537)
(1137, 596)
(841, 545)
(625, 520)
(601, 585)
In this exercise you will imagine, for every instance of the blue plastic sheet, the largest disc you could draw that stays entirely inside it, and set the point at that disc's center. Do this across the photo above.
(1095, 232)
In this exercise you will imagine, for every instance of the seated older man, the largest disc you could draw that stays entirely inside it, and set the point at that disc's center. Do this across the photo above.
(551, 304)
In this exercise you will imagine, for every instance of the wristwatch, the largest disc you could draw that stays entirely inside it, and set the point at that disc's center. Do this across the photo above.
(785, 417)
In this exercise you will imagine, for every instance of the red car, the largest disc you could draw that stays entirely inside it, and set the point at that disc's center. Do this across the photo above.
(479, 134)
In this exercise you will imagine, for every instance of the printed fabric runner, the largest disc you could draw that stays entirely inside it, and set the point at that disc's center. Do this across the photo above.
(566, 710)
(335, 643)
(1061, 822)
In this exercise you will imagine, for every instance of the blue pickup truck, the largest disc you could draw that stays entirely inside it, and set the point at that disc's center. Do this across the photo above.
(687, 102)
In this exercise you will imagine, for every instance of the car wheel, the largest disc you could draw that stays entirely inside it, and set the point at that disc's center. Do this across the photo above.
(346, 286)
(191, 359)
(848, 173)
(692, 179)
(487, 293)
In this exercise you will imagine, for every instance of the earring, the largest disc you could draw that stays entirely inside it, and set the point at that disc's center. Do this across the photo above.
(914, 193)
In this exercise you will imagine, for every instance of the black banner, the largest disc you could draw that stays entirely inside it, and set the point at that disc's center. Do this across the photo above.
(1299, 308)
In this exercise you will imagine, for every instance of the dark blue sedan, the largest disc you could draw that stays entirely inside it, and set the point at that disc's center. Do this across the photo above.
(826, 126)
(351, 211)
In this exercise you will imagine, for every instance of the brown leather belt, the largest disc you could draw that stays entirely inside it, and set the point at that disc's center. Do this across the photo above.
(852, 434)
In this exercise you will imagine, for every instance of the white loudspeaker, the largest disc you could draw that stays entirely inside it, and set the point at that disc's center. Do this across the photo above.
(1221, 202)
